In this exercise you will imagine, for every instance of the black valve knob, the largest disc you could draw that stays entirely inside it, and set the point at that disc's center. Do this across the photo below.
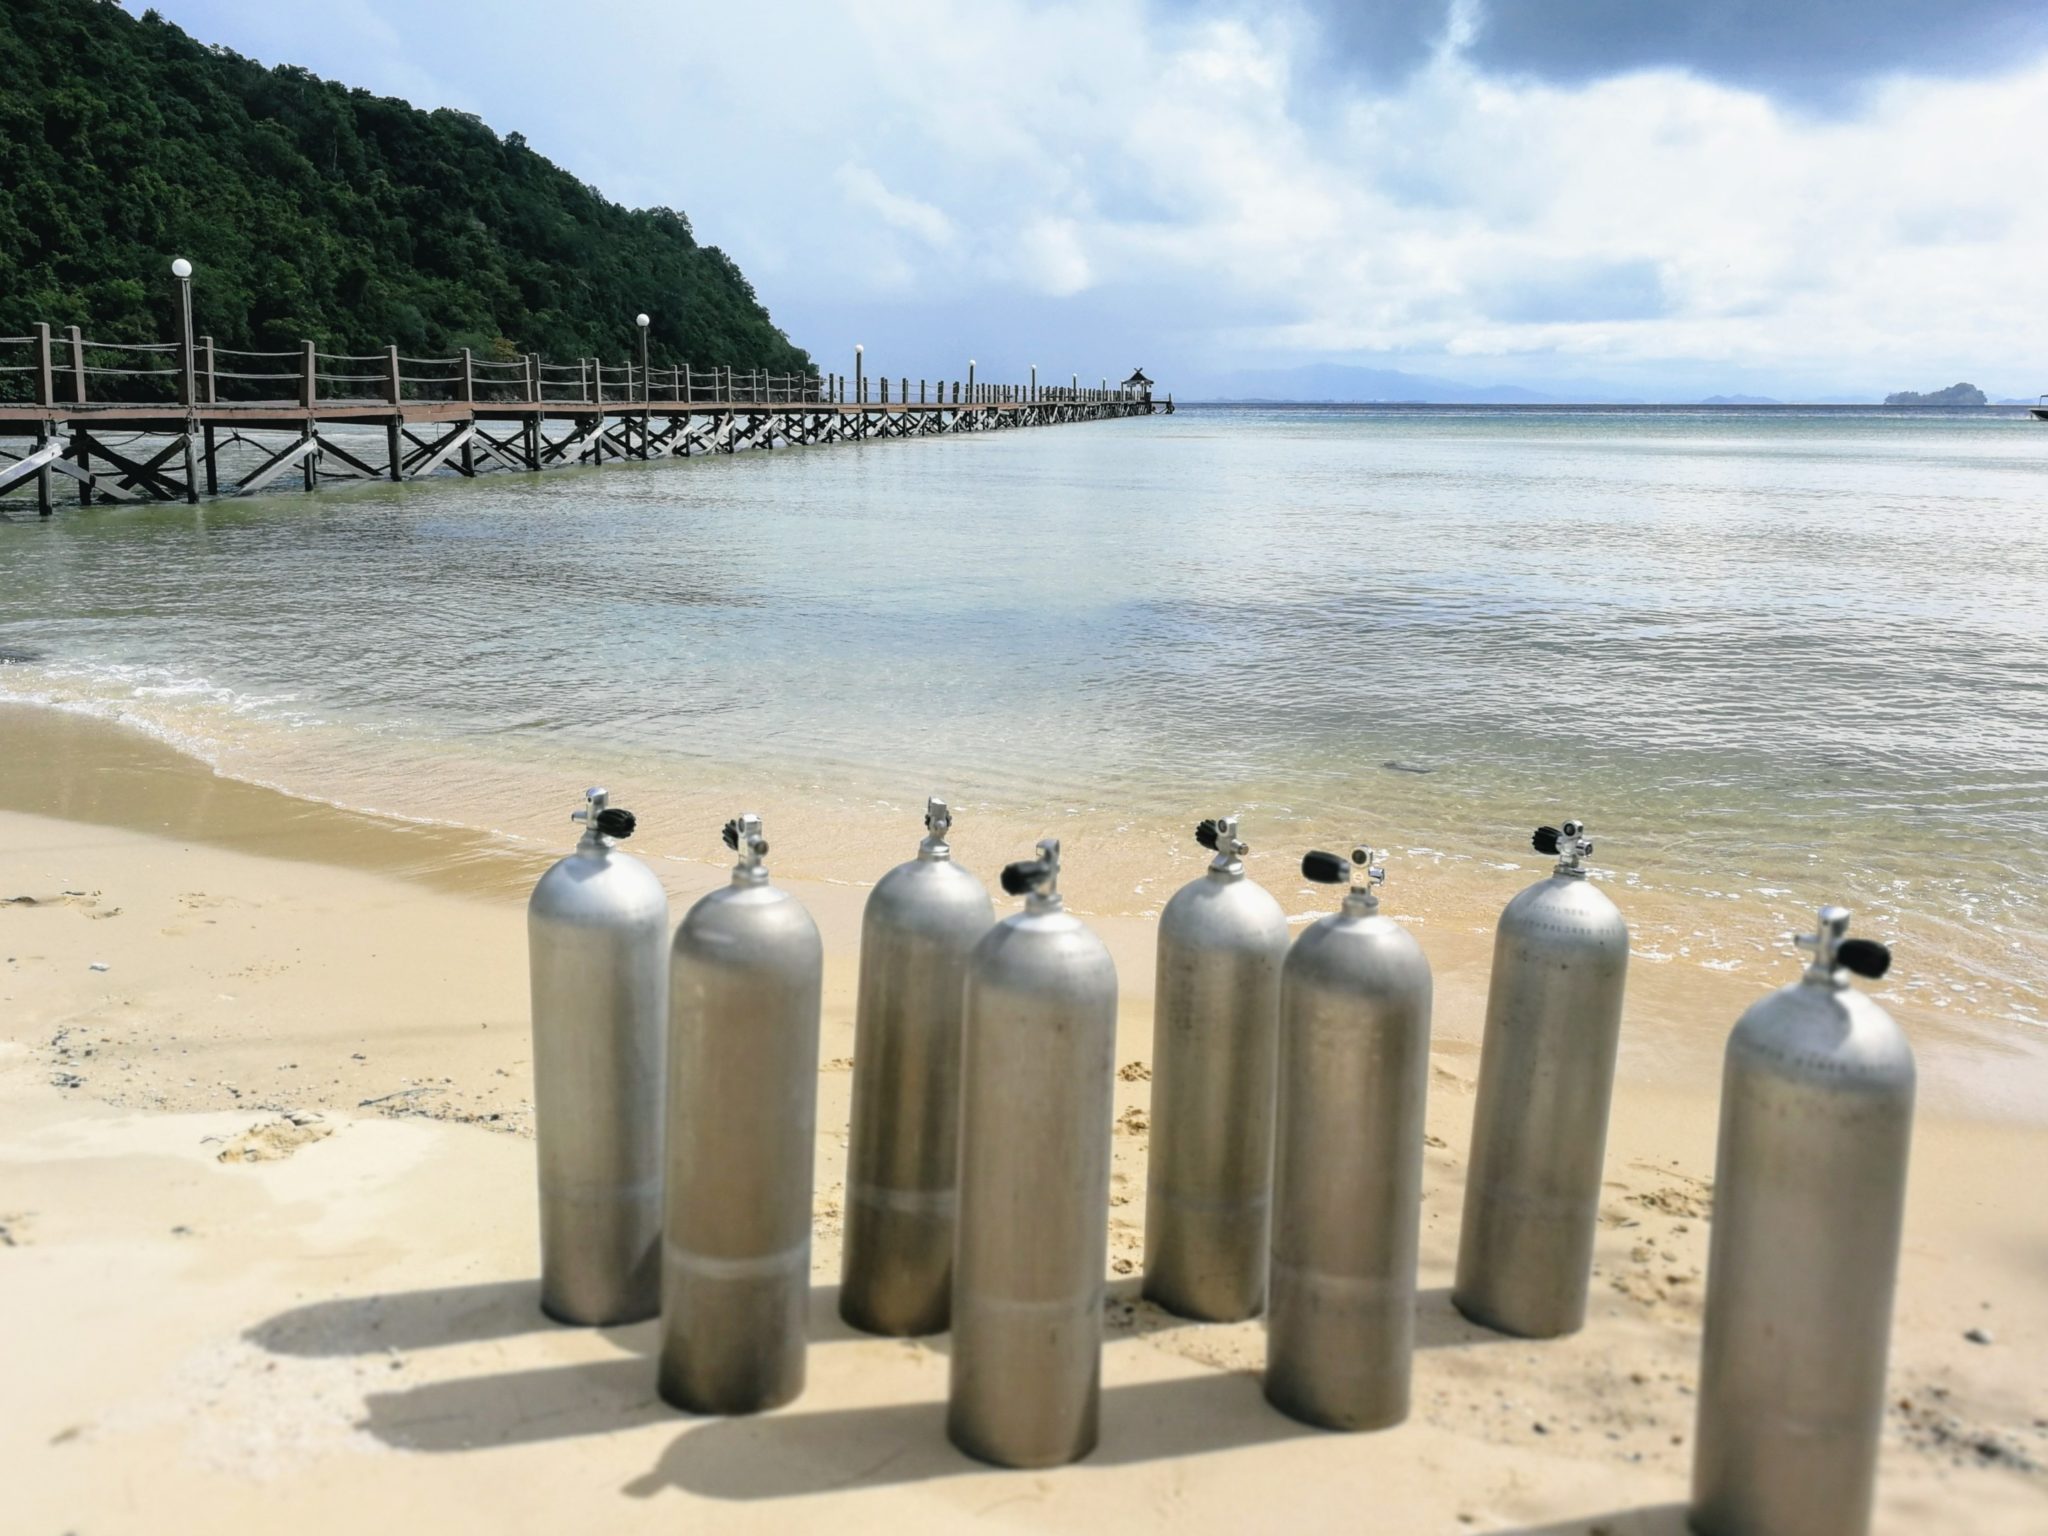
(614, 821)
(1546, 840)
(731, 834)
(1020, 877)
(1205, 834)
(1325, 868)
(1864, 957)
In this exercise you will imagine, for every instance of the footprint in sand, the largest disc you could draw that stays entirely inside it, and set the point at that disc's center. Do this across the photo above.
(269, 1140)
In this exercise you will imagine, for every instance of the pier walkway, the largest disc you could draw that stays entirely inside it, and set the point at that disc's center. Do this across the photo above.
(168, 421)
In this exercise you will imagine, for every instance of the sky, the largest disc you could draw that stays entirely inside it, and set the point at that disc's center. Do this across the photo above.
(1804, 199)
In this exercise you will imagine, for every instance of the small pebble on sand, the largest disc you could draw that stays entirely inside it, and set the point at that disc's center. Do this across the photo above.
(1978, 1336)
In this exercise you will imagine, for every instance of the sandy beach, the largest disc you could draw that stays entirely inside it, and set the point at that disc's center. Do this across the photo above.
(268, 1252)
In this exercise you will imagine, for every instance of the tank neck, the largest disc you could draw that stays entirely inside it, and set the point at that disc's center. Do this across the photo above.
(1226, 867)
(748, 875)
(1361, 901)
(1044, 903)
(933, 851)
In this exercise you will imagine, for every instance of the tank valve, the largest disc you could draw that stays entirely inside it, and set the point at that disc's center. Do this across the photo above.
(1334, 869)
(605, 820)
(938, 821)
(743, 835)
(1568, 842)
(1039, 878)
(1834, 950)
(1219, 836)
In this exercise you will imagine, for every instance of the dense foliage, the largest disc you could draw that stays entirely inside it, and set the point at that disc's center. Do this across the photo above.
(315, 211)
(1955, 394)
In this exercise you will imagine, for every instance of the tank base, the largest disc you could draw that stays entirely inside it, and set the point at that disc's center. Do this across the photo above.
(897, 1282)
(1308, 1408)
(1515, 1324)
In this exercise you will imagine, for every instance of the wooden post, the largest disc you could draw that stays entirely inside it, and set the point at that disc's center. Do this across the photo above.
(394, 390)
(206, 352)
(46, 397)
(79, 439)
(309, 382)
(468, 377)
(46, 378)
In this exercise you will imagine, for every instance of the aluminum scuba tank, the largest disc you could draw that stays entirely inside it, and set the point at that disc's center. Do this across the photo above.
(1037, 1070)
(744, 989)
(596, 929)
(1347, 1170)
(921, 923)
(1209, 1176)
(1809, 1191)
(1546, 1075)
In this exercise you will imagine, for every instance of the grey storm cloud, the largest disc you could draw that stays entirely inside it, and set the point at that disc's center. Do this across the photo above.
(1816, 54)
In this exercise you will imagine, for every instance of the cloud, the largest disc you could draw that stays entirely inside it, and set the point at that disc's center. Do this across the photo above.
(1088, 184)
(865, 190)
(1818, 53)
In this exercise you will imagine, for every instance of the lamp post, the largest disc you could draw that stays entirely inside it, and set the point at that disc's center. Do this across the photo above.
(181, 269)
(646, 379)
(860, 387)
(970, 381)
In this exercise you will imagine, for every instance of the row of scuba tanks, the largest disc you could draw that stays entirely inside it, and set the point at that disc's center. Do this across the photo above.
(675, 1091)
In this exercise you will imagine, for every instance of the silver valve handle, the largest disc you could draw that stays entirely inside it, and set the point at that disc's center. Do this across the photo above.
(1219, 836)
(1834, 951)
(743, 835)
(1569, 842)
(938, 821)
(604, 819)
(1036, 879)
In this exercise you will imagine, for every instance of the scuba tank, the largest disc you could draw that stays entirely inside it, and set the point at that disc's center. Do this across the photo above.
(1037, 1070)
(1209, 1176)
(1347, 1169)
(1809, 1191)
(922, 921)
(743, 1108)
(596, 925)
(1546, 1075)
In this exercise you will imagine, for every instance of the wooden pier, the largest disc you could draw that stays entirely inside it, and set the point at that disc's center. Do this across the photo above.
(172, 421)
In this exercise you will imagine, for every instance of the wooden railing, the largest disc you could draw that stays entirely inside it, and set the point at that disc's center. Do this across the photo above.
(60, 369)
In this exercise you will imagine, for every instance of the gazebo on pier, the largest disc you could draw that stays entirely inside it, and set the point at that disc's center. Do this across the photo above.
(1138, 386)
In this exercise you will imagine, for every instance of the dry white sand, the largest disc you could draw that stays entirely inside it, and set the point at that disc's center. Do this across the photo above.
(267, 1239)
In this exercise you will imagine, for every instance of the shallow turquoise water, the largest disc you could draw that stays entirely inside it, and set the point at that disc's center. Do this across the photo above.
(1774, 656)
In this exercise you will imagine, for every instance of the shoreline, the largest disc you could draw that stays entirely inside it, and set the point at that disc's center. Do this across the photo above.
(79, 766)
(271, 1172)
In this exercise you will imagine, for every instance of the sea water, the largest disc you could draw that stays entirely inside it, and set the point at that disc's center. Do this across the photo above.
(1773, 657)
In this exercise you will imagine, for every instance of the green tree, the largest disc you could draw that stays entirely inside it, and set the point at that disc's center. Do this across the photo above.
(319, 212)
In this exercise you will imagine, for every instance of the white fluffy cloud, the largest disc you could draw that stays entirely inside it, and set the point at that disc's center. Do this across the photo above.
(1198, 188)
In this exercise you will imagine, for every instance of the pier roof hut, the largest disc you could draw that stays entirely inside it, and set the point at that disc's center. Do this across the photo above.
(1138, 385)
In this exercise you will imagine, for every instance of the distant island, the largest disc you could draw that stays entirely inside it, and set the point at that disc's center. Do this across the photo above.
(1955, 394)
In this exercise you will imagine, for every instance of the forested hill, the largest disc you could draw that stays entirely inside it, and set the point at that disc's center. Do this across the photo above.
(313, 210)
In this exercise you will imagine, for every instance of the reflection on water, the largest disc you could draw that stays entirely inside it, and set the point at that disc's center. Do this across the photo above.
(1771, 658)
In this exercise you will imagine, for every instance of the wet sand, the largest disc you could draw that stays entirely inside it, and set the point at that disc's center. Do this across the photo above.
(267, 1230)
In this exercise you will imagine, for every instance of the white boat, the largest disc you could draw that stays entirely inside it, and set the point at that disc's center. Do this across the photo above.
(2040, 408)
